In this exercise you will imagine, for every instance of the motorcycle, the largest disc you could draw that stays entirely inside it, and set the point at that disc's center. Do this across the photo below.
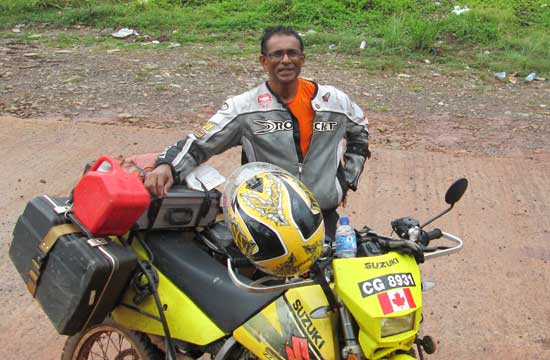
(196, 294)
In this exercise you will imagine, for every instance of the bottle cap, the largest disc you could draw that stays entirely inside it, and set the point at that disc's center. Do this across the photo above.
(344, 220)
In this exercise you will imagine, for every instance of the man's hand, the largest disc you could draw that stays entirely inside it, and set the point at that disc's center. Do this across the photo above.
(159, 180)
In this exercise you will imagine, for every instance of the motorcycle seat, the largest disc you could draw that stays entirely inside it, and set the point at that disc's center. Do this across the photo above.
(204, 280)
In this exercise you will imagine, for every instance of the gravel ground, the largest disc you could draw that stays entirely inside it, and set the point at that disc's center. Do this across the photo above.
(60, 107)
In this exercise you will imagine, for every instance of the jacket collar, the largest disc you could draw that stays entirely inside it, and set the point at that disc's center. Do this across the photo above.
(283, 103)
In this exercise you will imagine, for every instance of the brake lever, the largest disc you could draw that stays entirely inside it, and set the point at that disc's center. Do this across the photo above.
(405, 247)
(435, 248)
(364, 230)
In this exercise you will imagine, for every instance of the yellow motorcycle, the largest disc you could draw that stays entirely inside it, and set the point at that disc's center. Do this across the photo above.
(196, 294)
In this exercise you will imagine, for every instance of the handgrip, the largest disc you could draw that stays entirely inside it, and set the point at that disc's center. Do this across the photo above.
(427, 236)
(101, 160)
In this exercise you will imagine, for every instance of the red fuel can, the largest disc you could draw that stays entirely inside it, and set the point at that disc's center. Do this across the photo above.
(107, 200)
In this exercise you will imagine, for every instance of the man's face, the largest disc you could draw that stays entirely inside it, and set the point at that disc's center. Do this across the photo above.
(284, 59)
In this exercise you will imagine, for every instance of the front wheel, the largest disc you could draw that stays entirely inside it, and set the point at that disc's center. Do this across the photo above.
(241, 354)
(402, 355)
(110, 341)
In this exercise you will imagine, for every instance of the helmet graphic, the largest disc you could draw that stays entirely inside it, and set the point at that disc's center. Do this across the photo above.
(275, 220)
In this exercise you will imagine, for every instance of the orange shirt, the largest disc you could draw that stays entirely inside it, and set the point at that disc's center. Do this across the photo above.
(300, 106)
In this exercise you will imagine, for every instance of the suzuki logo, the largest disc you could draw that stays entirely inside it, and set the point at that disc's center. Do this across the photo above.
(299, 349)
(307, 324)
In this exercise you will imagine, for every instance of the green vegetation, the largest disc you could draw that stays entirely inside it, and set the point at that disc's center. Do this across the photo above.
(511, 35)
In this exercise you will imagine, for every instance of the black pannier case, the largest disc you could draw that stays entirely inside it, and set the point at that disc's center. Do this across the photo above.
(77, 280)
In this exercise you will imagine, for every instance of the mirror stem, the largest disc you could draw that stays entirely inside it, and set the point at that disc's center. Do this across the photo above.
(437, 216)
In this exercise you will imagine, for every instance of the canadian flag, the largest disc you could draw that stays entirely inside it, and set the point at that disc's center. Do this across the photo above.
(396, 300)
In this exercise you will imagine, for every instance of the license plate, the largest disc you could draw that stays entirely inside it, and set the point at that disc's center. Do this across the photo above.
(385, 283)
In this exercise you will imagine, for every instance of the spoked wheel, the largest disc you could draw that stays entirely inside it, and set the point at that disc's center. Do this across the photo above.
(110, 341)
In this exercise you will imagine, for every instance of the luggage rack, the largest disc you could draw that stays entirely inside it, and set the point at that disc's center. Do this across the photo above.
(59, 209)
(65, 210)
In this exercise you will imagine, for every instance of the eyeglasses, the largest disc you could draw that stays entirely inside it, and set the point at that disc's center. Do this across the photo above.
(280, 54)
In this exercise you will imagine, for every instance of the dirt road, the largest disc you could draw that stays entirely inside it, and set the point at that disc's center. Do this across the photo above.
(490, 300)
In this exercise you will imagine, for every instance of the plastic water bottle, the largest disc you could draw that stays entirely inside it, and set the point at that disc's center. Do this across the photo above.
(346, 243)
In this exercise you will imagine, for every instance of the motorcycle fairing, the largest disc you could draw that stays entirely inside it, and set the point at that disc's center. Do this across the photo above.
(285, 330)
(377, 287)
(186, 320)
(204, 304)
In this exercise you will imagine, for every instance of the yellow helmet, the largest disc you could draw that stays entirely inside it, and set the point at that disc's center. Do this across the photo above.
(275, 220)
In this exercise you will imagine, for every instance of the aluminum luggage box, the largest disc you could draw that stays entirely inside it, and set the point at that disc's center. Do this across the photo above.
(181, 208)
(78, 280)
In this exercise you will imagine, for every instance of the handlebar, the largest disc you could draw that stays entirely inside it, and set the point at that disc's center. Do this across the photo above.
(419, 249)
(420, 252)
(446, 251)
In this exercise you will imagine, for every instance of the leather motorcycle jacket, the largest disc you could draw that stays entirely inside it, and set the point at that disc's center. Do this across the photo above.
(268, 132)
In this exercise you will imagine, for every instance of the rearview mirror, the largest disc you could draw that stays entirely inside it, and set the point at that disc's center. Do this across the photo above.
(456, 190)
(454, 194)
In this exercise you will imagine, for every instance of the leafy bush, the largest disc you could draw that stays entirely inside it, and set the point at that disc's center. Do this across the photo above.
(423, 33)
(525, 12)
(387, 7)
(327, 13)
(516, 31)
(394, 34)
(172, 3)
(473, 27)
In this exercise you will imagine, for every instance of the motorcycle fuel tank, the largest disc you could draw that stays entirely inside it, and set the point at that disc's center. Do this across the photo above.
(286, 330)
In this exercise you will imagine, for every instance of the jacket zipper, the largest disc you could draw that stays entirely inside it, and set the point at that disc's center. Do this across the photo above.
(296, 136)
(295, 132)
(296, 128)
(302, 158)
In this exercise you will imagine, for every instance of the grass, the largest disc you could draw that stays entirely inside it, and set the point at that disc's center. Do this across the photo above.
(515, 33)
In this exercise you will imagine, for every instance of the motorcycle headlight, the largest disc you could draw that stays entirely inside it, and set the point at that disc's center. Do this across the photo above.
(397, 325)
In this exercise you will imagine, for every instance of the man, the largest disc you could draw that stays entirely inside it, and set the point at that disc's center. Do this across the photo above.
(315, 132)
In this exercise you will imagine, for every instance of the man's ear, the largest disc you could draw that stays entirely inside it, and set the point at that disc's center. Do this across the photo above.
(263, 60)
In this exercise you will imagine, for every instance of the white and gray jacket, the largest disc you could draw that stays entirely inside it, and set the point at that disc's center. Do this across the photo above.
(269, 132)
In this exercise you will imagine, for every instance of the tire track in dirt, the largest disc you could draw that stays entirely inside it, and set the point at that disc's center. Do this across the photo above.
(489, 300)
